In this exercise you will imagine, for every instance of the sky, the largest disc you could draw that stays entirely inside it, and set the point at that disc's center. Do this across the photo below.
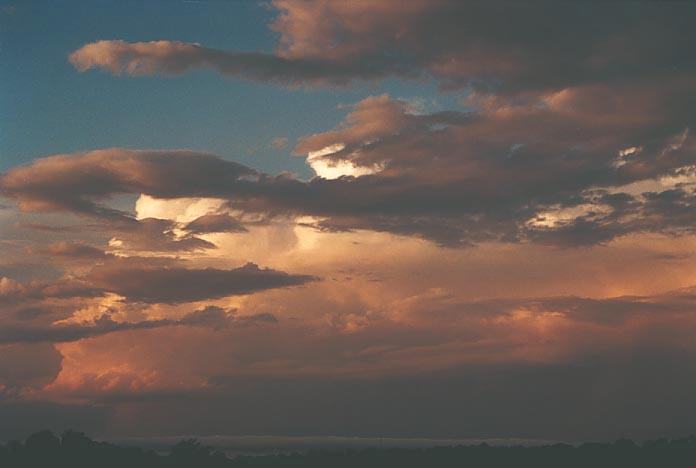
(421, 219)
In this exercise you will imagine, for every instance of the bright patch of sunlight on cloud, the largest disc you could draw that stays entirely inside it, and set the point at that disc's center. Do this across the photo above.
(335, 169)
(557, 216)
(181, 210)
(624, 154)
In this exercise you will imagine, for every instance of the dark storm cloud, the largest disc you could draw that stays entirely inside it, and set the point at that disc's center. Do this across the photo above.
(175, 284)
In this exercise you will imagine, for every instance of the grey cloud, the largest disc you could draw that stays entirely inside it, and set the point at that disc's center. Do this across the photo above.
(502, 46)
(174, 57)
(175, 284)
(559, 94)
(453, 183)
(72, 250)
(154, 235)
(75, 182)
(217, 317)
(27, 366)
(21, 333)
(211, 316)
(64, 288)
(214, 223)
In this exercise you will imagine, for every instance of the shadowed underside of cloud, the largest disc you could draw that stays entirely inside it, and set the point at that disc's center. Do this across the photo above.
(211, 316)
(71, 250)
(13, 292)
(43, 185)
(175, 285)
(63, 333)
(210, 223)
(151, 281)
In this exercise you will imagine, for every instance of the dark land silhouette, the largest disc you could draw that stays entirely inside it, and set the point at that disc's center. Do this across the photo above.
(75, 450)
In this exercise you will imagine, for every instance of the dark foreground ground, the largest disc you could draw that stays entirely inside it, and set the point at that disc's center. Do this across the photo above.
(75, 450)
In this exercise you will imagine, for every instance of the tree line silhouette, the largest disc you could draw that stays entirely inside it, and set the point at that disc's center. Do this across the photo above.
(75, 450)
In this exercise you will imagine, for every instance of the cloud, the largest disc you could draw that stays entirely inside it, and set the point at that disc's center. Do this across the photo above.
(72, 250)
(210, 316)
(456, 178)
(22, 333)
(152, 235)
(27, 366)
(214, 223)
(279, 143)
(174, 57)
(545, 130)
(459, 44)
(170, 285)
(217, 317)
(75, 182)
(576, 131)
(12, 291)
(583, 350)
